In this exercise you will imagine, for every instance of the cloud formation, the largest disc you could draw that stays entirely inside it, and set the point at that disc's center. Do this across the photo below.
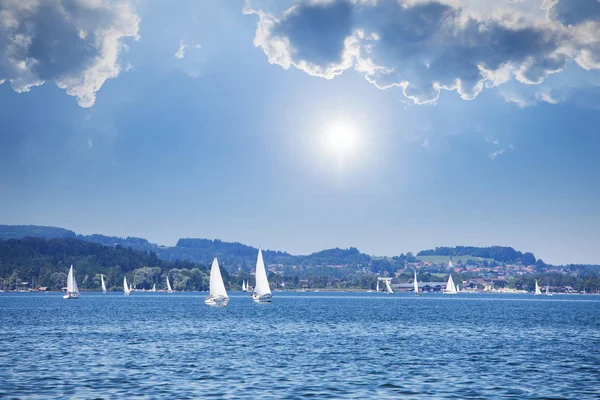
(180, 53)
(73, 43)
(424, 47)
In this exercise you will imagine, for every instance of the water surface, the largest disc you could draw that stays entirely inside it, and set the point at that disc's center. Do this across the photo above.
(319, 345)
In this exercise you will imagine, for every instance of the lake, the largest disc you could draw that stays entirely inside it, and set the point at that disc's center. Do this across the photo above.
(319, 345)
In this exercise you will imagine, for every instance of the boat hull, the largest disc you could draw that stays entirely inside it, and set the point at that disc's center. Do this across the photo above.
(264, 299)
(217, 302)
(71, 296)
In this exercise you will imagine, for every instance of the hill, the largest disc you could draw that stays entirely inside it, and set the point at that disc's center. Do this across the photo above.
(46, 262)
(498, 253)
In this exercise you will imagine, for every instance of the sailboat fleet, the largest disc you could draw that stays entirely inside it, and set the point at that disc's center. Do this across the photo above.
(262, 291)
(217, 292)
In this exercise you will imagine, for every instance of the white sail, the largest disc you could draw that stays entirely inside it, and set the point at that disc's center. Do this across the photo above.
(103, 285)
(548, 290)
(450, 288)
(377, 286)
(244, 286)
(217, 287)
(126, 289)
(537, 289)
(169, 286)
(457, 288)
(262, 283)
(72, 283)
(154, 287)
(416, 284)
(388, 288)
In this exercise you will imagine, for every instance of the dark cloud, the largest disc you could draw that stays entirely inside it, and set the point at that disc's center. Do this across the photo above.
(74, 43)
(424, 47)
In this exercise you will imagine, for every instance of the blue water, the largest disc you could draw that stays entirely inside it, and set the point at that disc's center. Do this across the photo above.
(319, 345)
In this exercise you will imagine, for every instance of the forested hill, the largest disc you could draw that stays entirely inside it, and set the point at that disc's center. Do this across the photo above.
(47, 262)
(231, 254)
(498, 253)
(21, 231)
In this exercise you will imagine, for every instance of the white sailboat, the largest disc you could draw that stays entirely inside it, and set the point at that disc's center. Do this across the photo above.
(416, 285)
(154, 287)
(388, 287)
(457, 288)
(244, 287)
(537, 289)
(548, 290)
(169, 290)
(217, 294)
(72, 289)
(377, 286)
(103, 285)
(126, 289)
(262, 291)
(450, 288)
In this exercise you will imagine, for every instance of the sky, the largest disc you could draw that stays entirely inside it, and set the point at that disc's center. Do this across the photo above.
(391, 126)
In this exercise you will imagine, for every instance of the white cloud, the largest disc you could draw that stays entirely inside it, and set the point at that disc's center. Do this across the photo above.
(426, 46)
(496, 153)
(73, 43)
(180, 53)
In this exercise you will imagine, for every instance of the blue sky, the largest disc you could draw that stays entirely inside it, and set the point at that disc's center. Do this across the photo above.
(239, 137)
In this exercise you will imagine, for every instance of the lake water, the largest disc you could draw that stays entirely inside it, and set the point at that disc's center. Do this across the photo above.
(319, 345)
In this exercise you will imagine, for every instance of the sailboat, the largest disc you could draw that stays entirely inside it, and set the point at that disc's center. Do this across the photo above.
(244, 287)
(72, 289)
(548, 290)
(126, 289)
(154, 287)
(416, 285)
(262, 291)
(388, 288)
(457, 288)
(169, 290)
(450, 288)
(377, 286)
(217, 294)
(103, 285)
(537, 289)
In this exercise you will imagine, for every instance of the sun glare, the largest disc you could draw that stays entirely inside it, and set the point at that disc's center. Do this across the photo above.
(341, 140)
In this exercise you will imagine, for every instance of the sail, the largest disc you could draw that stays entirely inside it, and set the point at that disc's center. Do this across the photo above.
(450, 288)
(169, 286)
(125, 288)
(415, 283)
(548, 289)
(154, 287)
(537, 289)
(217, 287)
(388, 288)
(377, 287)
(243, 286)
(457, 288)
(262, 283)
(103, 285)
(71, 282)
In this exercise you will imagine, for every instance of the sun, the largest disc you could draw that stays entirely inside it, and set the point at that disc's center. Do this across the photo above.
(341, 140)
